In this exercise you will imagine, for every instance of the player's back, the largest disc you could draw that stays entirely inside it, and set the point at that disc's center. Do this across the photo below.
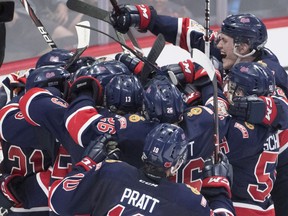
(26, 149)
(28, 152)
(252, 150)
(115, 187)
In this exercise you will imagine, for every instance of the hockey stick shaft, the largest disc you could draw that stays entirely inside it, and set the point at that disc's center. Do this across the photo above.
(214, 81)
(38, 24)
(153, 55)
(124, 45)
(98, 13)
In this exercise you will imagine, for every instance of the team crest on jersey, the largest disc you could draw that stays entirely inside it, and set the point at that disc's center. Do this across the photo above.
(136, 118)
(59, 102)
(243, 130)
(194, 111)
(250, 126)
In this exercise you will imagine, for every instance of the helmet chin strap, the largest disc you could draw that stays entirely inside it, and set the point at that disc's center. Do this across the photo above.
(240, 56)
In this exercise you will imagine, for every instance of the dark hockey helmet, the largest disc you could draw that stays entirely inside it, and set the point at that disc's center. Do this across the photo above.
(163, 101)
(251, 78)
(49, 76)
(55, 57)
(124, 93)
(62, 57)
(245, 28)
(83, 61)
(103, 71)
(165, 146)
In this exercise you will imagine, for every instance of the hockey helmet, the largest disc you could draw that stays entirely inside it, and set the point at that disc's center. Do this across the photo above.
(250, 78)
(163, 101)
(103, 71)
(48, 76)
(165, 146)
(124, 93)
(246, 28)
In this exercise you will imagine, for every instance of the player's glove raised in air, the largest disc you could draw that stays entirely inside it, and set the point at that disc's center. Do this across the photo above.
(140, 16)
(256, 110)
(217, 178)
(104, 147)
(8, 192)
(133, 63)
(86, 85)
(189, 72)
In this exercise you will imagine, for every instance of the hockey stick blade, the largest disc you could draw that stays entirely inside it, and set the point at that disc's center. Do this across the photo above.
(83, 34)
(200, 58)
(94, 12)
(87, 9)
(38, 24)
(153, 55)
(123, 45)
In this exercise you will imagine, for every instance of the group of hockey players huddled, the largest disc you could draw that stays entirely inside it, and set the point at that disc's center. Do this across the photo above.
(95, 138)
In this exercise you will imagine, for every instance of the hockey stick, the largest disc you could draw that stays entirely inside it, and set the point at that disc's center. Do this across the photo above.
(153, 55)
(83, 35)
(124, 45)
(38, 24)
(204, 60)
(129, 33)
(98, 13)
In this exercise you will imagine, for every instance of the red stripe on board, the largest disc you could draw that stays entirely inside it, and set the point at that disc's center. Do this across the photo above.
(102, 50)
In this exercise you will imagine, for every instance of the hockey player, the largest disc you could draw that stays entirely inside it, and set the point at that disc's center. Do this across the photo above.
(29, 154)
(252, 149)
(85, 120)
(47, 87)
(242, 38)
(127, 190)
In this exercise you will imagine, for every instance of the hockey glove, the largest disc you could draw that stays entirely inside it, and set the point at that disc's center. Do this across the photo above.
(8, 192)
(104, 147)
(190, 72)
(217, 178)
(86, 85)
(192, 96)
(12, 85)
(255, 110)
(133, 63)
(140, 16)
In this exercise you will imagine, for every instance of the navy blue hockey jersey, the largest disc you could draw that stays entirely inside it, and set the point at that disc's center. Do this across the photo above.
(116, 188)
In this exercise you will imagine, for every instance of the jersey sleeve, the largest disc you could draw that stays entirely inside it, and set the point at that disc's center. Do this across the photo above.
(84, 123)
(185, 33)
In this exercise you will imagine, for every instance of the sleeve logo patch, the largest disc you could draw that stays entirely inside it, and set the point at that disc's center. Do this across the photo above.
(194, 111)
